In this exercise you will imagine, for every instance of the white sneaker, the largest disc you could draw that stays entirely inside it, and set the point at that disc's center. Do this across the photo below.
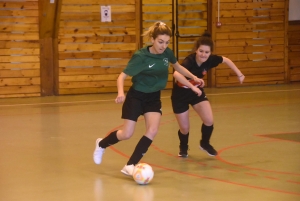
(128, 170)
(98, 152)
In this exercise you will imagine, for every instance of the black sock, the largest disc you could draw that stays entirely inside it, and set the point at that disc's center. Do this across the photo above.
(206, 133)
(139, 151)
(184, 140)
(109, 140)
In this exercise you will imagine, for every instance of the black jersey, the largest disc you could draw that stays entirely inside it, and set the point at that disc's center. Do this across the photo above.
(190, 63)
(182, 97)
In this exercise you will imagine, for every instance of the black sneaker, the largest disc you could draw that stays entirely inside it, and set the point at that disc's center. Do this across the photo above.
(183, 152)
(209, 149)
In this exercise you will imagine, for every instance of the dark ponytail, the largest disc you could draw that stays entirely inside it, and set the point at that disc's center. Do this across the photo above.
(206, 34)
(205, 39)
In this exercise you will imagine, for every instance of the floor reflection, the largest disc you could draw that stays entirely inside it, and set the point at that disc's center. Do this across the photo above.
(139, 192)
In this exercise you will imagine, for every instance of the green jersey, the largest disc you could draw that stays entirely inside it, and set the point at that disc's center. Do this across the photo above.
(149, 71)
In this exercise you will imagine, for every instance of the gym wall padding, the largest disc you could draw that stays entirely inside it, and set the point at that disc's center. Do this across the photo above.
(294, 50)
(19, 49)
(93, 53)
(88, 54)
(254, 36)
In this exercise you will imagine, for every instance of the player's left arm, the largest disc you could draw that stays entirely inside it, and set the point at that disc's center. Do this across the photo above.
(183, 71)
(231, 65)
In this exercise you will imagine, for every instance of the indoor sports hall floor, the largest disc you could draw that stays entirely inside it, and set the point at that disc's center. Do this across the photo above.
(47, 145)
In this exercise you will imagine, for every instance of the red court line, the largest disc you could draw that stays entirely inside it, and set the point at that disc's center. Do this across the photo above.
(273, 178)
(242, 166)
(224, 181)
(233, 170)
(295, 182)
(210, 178)
(215, 179)
(251, 174)
(215, 167)
(266, 136)
(200, 176)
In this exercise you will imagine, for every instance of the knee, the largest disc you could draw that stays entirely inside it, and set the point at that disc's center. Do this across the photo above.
(184, 129)
(208, 122)
(124, 135)
(152, 132)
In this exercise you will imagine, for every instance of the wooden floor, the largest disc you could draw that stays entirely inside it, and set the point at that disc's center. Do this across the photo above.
(47, 145)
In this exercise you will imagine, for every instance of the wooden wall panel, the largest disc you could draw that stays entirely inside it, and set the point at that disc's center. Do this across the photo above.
(294, 50)
(192, 21)
(93, 53)
(19, 49)
(252, 35)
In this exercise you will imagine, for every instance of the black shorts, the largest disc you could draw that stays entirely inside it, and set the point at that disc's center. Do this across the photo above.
(138, 103)
(183, 97)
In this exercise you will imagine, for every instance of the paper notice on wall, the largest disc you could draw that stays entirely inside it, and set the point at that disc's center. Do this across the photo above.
(105, 14)
(51, 1)
(294, 14)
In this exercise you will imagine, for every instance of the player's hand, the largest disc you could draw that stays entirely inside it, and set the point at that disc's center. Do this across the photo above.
(120, 98)
(202, 83)
(196, 90)
(199, 80)
(241, 78)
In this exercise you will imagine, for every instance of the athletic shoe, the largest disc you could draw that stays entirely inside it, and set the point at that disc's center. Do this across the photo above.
(209, 149)
(128, 170)
(183, 152)
(99, 151)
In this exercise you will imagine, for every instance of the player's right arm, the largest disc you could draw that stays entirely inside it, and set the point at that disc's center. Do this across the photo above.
(231, 65)
(180, 78)
(120, 84)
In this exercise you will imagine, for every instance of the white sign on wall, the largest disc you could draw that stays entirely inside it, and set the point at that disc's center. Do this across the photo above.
(294, 8)
(105, 14)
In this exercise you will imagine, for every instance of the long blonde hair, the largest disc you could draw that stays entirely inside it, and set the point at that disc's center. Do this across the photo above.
(158, 28)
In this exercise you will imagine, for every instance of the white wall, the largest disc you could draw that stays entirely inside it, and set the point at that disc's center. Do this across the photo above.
(294, 10)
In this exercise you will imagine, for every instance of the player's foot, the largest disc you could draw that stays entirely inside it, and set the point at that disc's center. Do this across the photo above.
(99, 151)
(209, 149)
(183, 152)
(128, 170)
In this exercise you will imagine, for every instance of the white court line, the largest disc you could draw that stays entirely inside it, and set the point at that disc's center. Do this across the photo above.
(252, 92)
(107, 100)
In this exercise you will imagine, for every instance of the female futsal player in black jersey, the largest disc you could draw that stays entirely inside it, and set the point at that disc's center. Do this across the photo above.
(197, 63)
(148, 68)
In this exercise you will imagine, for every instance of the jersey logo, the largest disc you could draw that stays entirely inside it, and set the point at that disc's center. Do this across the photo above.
(150, 66)
(166, 61)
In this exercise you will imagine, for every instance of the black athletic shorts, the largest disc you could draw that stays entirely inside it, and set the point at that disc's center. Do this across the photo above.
(138, 103)
(183, 97)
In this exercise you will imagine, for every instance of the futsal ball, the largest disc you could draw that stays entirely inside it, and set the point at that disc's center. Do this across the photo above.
(143, 173)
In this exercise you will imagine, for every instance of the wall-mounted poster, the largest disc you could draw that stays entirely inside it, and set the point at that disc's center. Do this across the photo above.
(105, 14)
(294, 7)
